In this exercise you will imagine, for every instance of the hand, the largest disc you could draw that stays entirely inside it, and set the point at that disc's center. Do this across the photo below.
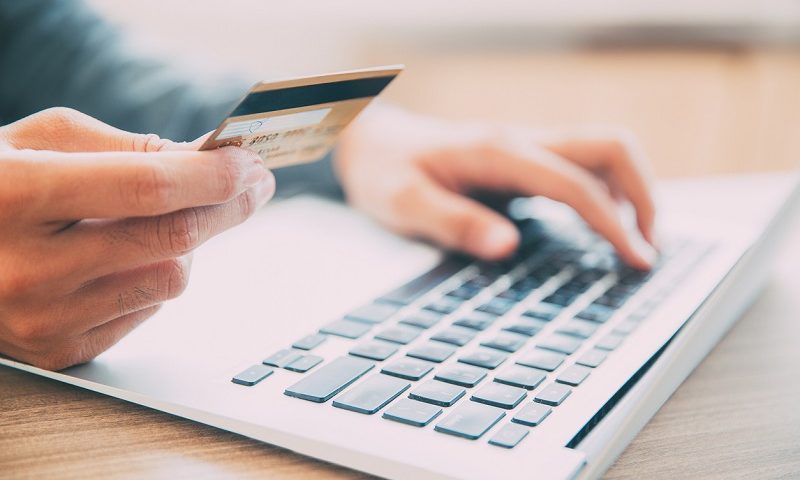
(96, 225)
(412, 173)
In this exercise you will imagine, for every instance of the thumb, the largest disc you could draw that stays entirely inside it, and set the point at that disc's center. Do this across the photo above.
(457, 222)
(67, 130)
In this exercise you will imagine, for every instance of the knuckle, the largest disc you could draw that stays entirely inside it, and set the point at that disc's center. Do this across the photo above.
(61, 117)
(147, 142)
(230, 176)
(181, 232)
(150, 190)
(17, 284)
(174, 275)
(136, 299)
(247, 204)
(618, 152)
(30, 332)
(404, 198)
(585, 192)
(60, 358)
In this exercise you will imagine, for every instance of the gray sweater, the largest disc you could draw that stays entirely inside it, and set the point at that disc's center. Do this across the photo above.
(60, 53)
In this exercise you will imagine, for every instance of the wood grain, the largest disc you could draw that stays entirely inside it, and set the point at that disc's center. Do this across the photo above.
(698, 112)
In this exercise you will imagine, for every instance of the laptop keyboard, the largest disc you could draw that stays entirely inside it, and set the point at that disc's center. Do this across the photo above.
(470, 344)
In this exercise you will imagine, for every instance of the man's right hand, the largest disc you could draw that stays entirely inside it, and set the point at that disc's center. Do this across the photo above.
(96, 228)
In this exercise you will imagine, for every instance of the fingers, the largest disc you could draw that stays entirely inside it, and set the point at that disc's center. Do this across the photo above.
(101, 338)
(121, 245)
(52, 331)
(564, 182)
(620, 158)
(65, 351)
(67, 130)
(522, 167)
(123, 293)
(455, 221)
(122, 184)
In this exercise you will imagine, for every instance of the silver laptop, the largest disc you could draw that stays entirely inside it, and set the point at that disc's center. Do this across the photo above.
(313, 329)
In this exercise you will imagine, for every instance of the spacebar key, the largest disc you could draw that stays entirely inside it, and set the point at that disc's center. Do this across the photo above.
(329, 380)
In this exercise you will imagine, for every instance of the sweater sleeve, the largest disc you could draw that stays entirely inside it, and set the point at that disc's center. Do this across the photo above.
(64, 54)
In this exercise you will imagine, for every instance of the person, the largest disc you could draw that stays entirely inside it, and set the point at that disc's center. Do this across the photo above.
(97, 224)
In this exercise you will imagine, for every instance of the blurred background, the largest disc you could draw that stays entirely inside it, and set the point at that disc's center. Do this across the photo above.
(710, 86)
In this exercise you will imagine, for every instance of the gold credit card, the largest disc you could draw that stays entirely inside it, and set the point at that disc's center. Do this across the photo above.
(297, 120)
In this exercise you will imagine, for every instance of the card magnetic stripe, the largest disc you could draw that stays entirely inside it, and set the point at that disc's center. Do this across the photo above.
(306, 95)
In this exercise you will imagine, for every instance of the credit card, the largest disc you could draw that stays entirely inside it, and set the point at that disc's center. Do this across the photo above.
(297, 120)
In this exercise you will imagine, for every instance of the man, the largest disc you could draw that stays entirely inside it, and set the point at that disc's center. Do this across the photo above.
(97, 224)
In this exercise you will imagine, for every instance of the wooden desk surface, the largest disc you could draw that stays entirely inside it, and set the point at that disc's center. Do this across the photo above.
(698, 112)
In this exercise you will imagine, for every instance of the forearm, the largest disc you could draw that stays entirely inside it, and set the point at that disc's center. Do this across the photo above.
(63, 54)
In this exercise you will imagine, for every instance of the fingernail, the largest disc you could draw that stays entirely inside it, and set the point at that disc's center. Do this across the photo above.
(265, 189)
(645, 251)
(499, 240)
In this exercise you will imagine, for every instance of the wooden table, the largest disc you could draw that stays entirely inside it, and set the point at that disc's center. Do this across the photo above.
(698, 112)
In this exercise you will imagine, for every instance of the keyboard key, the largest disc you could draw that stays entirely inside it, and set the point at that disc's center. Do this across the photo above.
(596, 313)
(515, 294)
(412, 412)
(484, 358)
(483, 279)
(542, 359)
(560, 343)
(282, 358)
(309, 342)
(470, 420)
(325, 382)
(422, 319)
(346, 328)
(462, 375)
(611, 301)
(408, 368)
(480, 281)
(437, 393)
(415, 289)
(476, 321)
(433, 352)
(519, 376)
(593, 358)
(458, 336)
(553, 394)
(626, 327)
(497, 306)
(509, 436)
(573, 375)
(532, 414)
(399, 334)
(527, 327)
(445, 305)
(507, 342)
(304, 363)
(372, 394)
(373, 313)
(252, 375)
(578, 328)
(499, 395)
(465, 292)
(374, 350)
(559, 299)
(543, 311)
(610, 341)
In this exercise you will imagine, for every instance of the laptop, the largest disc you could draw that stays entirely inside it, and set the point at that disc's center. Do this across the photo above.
(311, 328)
